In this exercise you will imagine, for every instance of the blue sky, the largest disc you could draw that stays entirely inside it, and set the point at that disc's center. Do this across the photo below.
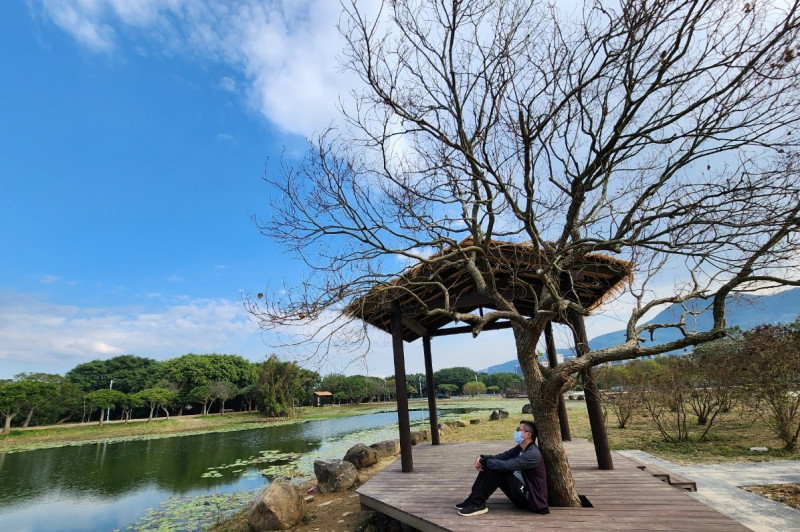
(133, 138)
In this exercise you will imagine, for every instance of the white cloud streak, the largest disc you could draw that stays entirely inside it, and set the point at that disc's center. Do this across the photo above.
(284, 50)
(42, 336)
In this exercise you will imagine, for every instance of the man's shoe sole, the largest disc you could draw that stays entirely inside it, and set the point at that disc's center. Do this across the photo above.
(476, 512)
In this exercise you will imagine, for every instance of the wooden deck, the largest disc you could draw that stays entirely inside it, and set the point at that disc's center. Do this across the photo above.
(626, 498)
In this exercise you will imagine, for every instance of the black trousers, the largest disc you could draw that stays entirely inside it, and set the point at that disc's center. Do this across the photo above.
(488, 481)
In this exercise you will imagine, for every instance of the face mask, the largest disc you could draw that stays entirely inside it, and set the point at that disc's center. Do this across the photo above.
(518, 436)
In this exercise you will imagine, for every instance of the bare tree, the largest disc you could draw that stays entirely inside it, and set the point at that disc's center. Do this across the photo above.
(665, 397)
(715, 372)
(662, 133)
(772, 353)
(624, 398)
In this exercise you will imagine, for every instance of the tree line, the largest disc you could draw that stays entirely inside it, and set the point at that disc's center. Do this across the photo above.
(686, 397)
(128, 386)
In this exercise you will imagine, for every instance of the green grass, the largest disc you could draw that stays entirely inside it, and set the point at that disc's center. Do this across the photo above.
(729, 440)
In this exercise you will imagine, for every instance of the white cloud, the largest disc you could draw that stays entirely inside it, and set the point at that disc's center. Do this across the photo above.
(42, 336)
(284, 50)
(49, 279)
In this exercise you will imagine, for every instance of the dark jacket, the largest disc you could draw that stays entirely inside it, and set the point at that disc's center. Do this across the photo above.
(529, 462)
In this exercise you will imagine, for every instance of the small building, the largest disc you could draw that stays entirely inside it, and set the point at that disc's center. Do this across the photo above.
(323, 398)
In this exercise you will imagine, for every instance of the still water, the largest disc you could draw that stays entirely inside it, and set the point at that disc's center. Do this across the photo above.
(107, 486)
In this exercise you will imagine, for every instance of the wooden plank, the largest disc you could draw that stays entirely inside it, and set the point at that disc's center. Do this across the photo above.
(625, 498)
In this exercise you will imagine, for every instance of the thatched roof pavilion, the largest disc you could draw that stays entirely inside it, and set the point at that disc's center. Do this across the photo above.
(405, 308)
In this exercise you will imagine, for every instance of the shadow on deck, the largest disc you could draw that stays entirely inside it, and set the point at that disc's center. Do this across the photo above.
(626, 498)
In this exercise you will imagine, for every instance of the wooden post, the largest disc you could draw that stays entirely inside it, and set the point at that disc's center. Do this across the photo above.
(592, 396)
(552, 359)
(401, 393)
(432, 416)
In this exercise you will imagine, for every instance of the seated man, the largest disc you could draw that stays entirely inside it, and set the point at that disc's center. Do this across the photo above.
(519, 472)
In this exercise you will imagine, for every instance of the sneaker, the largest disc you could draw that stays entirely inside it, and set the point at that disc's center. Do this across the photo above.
(472, 509)
(462, 505)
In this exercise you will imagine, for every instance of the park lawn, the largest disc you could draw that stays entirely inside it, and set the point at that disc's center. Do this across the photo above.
(728, 440)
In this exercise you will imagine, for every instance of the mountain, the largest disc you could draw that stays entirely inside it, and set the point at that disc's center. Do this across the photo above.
(746, 313)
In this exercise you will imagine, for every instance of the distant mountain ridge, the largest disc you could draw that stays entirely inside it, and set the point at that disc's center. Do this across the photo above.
(746, 313)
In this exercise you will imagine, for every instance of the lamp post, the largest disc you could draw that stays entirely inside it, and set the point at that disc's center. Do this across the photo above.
(384, 389)
(108, 412)
(420, 386)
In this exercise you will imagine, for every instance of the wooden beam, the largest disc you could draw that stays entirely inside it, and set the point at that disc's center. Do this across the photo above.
(494, 326)
(415, 326)
(592, 396)
(552, 359)
(432, 416)
(401, 393)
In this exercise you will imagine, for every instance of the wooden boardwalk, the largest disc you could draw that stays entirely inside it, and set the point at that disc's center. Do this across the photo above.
(626, 498)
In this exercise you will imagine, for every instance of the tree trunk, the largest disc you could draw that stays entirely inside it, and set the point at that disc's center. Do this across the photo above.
(7, 427)
(560, 484)
(544, 402)
(28, 418)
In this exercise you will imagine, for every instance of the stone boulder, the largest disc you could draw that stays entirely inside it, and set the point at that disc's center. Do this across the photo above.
(461, 423)
(498, 414)
(279, 507)
(475, 421)
(527, 409)
(419, 435)
(334, 475)
(444, 427)
(386, 448)
(361, 456)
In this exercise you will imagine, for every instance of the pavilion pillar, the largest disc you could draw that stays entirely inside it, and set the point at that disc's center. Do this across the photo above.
(552, 359)
(432, 416)
(401, 393)
(591, 394)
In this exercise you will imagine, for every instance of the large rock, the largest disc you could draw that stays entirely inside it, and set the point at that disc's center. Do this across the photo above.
(461, 423)
(386, 448)
(279, 507)
(334, 475)
(361, 456)
(419, 435)
(498, 414)
(527, 409)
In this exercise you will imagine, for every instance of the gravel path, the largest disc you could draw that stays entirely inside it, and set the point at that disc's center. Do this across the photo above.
(718, 487)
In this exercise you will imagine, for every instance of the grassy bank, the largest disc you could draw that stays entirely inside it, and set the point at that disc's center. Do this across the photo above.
(730, 440)
(83, 433)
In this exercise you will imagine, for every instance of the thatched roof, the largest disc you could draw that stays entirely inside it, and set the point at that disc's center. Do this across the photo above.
(420, 288)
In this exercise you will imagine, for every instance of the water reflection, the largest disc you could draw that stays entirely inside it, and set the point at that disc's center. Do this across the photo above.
(104, 486)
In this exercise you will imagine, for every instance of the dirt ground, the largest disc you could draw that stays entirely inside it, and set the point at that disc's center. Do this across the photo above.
(332, 512)
(788, 494)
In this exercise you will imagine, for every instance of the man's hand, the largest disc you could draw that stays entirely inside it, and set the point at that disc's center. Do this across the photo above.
(478, 465)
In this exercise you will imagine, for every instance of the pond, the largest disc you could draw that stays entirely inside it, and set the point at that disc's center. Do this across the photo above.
(109, 486)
